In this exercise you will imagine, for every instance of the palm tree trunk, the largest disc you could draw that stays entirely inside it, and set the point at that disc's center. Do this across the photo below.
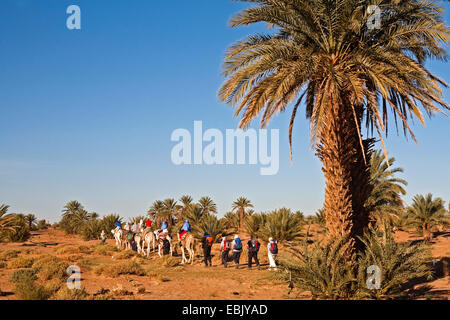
(427, 235)
(347, 177)
(241, 219)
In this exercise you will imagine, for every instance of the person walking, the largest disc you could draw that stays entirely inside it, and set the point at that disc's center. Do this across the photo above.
(253, 248)
(272, 252)
(225, 249)
(103, 236)
(237, 250)
(207, 243)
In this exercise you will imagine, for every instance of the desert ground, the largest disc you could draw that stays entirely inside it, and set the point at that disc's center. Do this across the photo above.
(166, 279)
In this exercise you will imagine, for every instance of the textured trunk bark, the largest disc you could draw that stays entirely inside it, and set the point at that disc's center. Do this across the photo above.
(427, 235)
(347, 177)
(241, 219)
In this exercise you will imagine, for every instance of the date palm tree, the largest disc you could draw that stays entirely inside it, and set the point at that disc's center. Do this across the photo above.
(71, 208)
(155, 210)
(6, 220)
(240, 206)
(30, 220)
(186, 202)
(425, 213)
(207, 205)
(169, 211)
(349, 73)
(385, 204)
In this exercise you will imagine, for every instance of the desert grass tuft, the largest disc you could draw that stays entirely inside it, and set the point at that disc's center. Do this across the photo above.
(51, 267)
(120, 268)
(20, 262)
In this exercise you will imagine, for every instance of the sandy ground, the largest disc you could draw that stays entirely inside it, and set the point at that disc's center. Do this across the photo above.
(189, 282)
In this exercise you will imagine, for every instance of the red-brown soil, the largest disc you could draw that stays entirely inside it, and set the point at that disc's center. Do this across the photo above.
(188, 282)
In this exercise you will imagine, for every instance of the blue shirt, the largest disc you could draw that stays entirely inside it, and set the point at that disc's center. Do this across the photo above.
(186, 226)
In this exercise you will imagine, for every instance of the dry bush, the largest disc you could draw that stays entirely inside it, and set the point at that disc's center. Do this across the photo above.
(29, 290)
(9, 254)
(20, 262)
(50, 267)
(65, 293)
(23, 275)
(2, 265)
(125, 255)
(72, 250)
(52, 286)
(114, 270)
(104, 249)
(74, 257)
(168, 262)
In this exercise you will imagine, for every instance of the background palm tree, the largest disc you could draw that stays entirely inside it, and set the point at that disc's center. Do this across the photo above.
(108, 223)
(282, 225)
(169, 211)
(186, 202)
(240, 206)
(207, 205)
(425, 213)
(349, 75)
(71, 208)
(194, 214)
(212, 225)
(319, 218)
(74, 216)
(6, 221)
(231, 221)
(155, 211)
(31, 220)
(385, 204)
(254, 223)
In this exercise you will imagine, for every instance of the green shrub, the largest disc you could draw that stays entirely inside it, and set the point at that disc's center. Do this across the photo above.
(91, 230)
(399, 263)
(41, 225)
(21, 232)
(322, 270)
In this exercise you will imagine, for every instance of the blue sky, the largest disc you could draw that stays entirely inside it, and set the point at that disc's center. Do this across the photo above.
(87, 114)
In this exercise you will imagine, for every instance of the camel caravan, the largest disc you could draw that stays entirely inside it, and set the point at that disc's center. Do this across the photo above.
(141, 238)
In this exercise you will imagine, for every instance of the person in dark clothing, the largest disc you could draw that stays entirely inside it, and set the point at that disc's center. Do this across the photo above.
(225, 249)
(253, 248)
(166, 247)
(237, 249)
(206, 245)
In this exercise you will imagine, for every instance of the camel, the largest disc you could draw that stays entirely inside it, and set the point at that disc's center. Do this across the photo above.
(188, 242)
(125, 240)
(149, 238)
(160, 237)
(138, 237)
(118, 233)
